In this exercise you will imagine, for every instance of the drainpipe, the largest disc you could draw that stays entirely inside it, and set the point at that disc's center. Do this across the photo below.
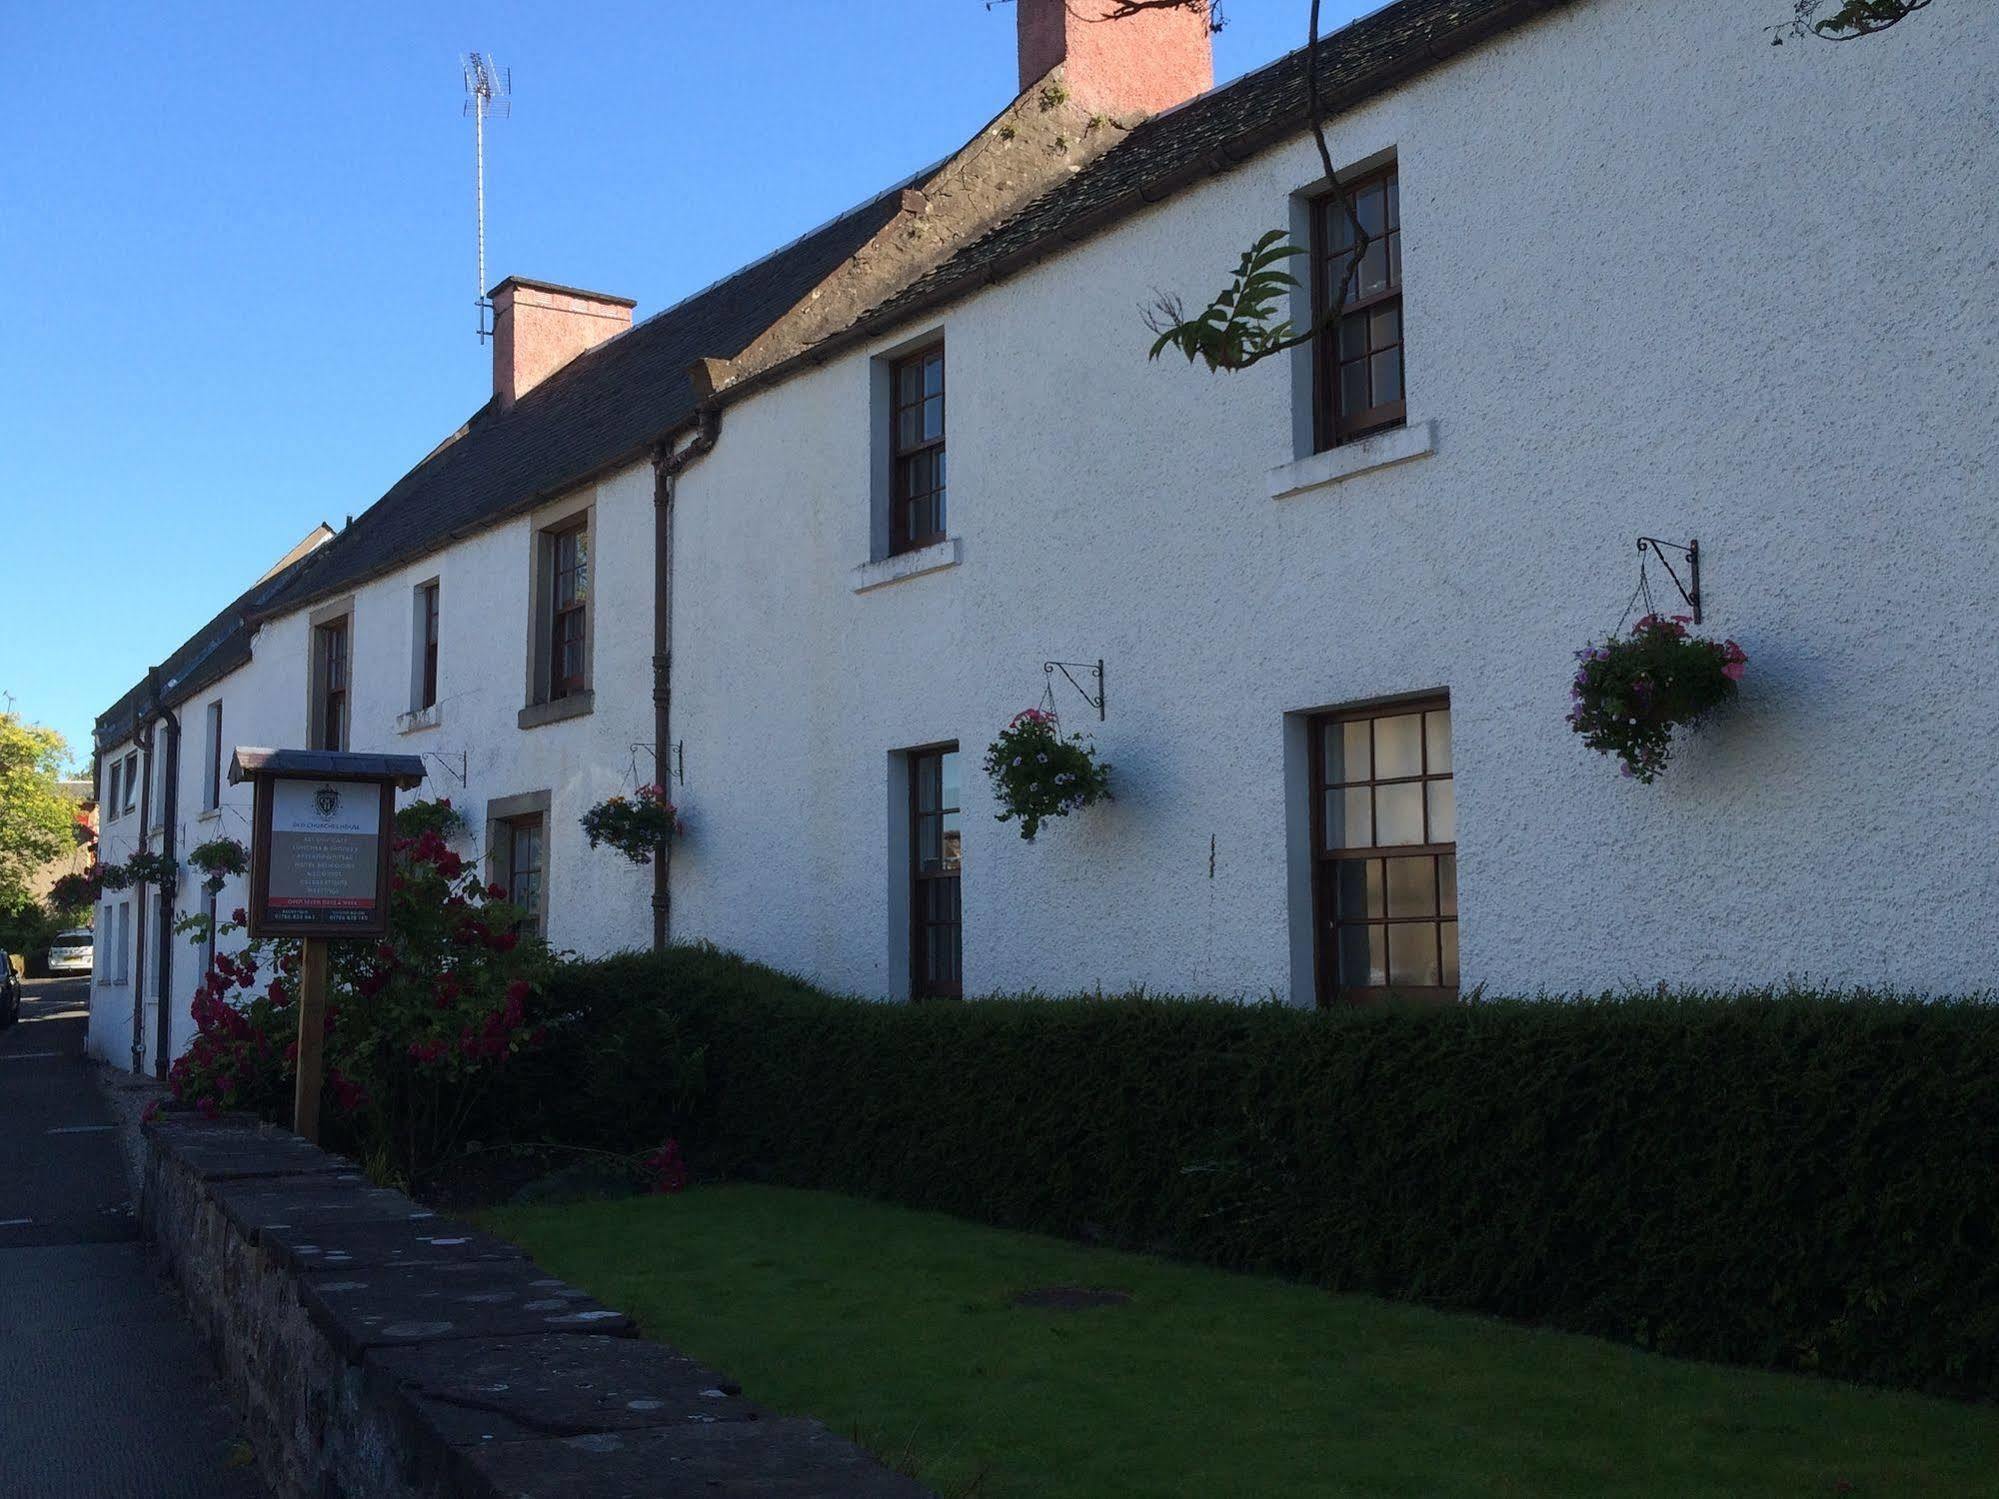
(170, 818)
(142, 735)
(667, 466)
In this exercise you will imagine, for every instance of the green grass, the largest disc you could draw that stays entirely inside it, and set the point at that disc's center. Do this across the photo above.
(894, 1327)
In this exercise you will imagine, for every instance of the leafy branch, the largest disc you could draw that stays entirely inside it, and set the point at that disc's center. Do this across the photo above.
(1235, 330)
(1852, 19)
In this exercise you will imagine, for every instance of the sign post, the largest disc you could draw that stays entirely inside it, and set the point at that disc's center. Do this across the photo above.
(319, 870)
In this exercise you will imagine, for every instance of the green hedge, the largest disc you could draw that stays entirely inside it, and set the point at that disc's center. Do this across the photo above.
(1795, 1180)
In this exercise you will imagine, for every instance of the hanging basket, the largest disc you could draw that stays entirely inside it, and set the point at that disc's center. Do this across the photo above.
(636, 826)
(1631, 692)
(218, 859)
(1037, 774)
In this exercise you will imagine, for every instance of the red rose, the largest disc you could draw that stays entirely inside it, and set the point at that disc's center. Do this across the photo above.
(239, 916)
(505, 941)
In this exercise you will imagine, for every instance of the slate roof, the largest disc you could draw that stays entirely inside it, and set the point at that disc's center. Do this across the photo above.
(1211, 134)
(600, 411)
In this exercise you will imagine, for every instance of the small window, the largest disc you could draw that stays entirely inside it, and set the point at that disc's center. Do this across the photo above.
(916, 450)
(132, 781)
(122, 973)
(524, 869)
(331, 667)
(570, 599)
(426, 646)
(1385, 823)
(111, 790)
(1358, 384)
(936, 857)
(211, 785)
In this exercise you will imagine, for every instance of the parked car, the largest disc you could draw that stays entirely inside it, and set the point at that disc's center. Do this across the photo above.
(10, 988)
(71, 951)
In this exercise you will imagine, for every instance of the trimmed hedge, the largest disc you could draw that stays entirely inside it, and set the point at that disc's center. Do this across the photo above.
(1793, 1180)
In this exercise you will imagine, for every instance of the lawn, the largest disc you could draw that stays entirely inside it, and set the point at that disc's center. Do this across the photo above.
(897, 1328)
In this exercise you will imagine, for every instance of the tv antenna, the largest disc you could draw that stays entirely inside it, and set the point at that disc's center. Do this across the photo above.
(489, 92)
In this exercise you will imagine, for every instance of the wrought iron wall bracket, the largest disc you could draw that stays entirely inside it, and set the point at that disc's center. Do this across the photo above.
(1691, 553)
(443, 759)
(1089, 669)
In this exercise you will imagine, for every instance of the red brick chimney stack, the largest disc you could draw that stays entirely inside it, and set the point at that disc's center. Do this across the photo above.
(538, 327)
(1116, 58)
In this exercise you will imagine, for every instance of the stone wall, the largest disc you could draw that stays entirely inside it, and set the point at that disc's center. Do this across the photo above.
(376, 1348)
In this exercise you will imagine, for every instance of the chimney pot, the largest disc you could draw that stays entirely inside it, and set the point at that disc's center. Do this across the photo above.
(1138, 62)
(538, 327)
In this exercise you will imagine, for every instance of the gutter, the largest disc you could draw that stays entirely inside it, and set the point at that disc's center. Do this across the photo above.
(668, 464)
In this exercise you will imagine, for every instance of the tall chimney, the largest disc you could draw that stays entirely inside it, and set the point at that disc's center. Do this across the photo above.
(538, 327)
(1118, 58)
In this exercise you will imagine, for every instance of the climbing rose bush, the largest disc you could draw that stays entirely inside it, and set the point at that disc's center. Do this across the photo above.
(418, 1024)
(1037, 774)
(1630, 694)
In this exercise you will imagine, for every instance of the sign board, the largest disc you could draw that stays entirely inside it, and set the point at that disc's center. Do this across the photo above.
(322, 865)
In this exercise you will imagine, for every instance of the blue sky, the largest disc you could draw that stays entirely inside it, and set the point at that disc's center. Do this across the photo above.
(237, 261)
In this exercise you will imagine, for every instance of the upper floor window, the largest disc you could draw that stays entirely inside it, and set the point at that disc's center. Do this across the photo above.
(1385, 815)
(330, 669)
(916, 450)
(112, 790)
(426, 645)
(211, 780)
(569, 599)
(1358, 380)
(132, 781)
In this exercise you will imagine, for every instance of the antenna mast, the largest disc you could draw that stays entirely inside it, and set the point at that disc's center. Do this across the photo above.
(489, 91)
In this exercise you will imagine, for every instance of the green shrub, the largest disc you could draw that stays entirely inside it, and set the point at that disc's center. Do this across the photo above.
(1795, 1180)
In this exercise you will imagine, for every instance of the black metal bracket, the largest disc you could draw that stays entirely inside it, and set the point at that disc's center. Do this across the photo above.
(1088, 669)
(678, 771)
(1689, 590)
(444, 762)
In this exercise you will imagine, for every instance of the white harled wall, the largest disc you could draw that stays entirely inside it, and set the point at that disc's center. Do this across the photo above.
(1661, 278)
(598, 901)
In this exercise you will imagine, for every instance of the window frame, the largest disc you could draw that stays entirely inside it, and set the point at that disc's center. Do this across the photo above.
(327, 697)
(211, 783)
(1330, 429)
(114, 789)
(429, 626)
(560, 611)
(131, 782)
(504, 815)
(900, 537)
(1326, 917)
(919, 879)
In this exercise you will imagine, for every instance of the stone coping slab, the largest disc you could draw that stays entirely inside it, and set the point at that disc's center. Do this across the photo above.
(513, 1389)
(347, 1245)
(255, 1204)
(377, 1348)
(436, 1303)
(779, 1459)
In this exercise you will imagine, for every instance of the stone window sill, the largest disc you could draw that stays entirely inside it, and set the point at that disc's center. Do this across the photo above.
(1336, 465)
(418, 719)
(931, 559)
(208, 814)
(534, 715)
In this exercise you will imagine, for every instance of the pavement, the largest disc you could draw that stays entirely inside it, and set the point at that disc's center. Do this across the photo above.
(104, 1391)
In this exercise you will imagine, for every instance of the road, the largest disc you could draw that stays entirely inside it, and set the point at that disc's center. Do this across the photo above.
(104, 1392)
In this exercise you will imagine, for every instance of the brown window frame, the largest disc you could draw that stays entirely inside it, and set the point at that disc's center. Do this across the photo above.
(211, 791)
(427, 615)
(903, 458)
(1331, 427)
(562, 612)
(532, 922)
(331, 700)
(944, 882)
(1328, 919)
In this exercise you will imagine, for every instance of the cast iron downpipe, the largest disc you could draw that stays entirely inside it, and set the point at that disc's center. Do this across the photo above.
(667, 466)
(153, 718)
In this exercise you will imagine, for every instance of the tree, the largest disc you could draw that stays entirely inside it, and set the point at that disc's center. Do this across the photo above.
(35, 815)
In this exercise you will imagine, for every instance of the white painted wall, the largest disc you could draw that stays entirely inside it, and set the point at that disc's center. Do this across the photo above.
(598, 901)
(1652, 264)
